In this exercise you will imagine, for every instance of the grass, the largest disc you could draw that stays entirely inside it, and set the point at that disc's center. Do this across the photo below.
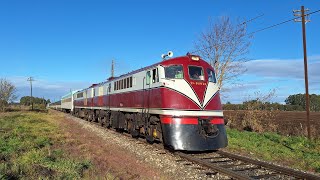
(30, 148)
(297, 152)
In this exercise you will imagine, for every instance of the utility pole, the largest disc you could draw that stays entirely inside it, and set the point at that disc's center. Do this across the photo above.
(31, 99)
(303, 20)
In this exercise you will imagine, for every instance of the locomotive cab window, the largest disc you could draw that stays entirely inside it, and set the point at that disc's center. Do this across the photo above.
(174, 72)
(211, 76)
(148, 77)
(196, 73)
(155, 77)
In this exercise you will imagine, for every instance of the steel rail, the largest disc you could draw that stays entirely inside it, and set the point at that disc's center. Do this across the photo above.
(273, 167)
(219, 169)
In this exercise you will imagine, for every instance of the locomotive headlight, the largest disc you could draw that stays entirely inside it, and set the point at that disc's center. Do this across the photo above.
(195, 58)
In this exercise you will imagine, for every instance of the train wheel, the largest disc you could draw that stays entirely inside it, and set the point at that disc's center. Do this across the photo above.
(100, 120)
(86, 116)
(149, 134)
(93, 117)
(132, 130)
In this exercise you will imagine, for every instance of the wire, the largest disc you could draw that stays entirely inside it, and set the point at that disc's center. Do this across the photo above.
(278, 24)
(245, 22)
(269, 27)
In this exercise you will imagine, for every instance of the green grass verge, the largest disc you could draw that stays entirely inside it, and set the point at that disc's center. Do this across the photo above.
(29, 148)
(297, 152)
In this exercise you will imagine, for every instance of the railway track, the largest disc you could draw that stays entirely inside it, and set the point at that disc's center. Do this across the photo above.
(241, 167)
(235, 166)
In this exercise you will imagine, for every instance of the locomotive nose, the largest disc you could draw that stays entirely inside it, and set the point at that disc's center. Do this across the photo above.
(207, 129)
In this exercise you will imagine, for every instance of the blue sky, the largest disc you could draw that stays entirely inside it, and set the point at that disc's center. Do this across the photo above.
(70, 44)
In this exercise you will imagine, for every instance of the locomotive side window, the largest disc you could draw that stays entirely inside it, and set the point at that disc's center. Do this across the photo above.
(127, 83)
(93, 92)
(174, 72)
(130, 81)
(196, 73)
(211, 76)
(100, 90)
(148, 77)
(155, 76)
(80, 95)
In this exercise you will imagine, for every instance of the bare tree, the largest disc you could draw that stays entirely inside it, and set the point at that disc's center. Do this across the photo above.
(7, 93)
(225, 45)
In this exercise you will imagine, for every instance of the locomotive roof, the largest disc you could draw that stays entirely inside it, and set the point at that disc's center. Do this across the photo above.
(175, 60)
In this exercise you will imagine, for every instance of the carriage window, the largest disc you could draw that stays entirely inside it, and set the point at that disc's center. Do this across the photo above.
(148, 77)
(196, 73)
(174, 72)
(155, 77)
(211, 76)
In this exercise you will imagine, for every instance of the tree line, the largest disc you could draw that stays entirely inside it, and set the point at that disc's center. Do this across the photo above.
(26, 100)
(296, 102)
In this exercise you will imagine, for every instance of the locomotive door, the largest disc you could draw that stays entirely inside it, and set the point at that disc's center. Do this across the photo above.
(85, 98)
(147, 92)
(152, 79)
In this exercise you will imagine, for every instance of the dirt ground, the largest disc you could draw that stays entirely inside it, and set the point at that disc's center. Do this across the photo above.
(284, 122)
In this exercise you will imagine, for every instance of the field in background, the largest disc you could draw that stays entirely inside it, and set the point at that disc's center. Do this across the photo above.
(282, 122)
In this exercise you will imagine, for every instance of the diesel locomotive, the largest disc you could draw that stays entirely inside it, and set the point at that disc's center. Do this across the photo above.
(175, 101)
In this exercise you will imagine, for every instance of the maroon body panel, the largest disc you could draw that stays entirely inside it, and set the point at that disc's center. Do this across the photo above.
(160, 98)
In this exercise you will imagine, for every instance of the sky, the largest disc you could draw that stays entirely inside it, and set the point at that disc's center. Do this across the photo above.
(68, 45)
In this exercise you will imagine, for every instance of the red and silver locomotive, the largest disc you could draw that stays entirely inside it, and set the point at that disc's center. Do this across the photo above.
(175, 101)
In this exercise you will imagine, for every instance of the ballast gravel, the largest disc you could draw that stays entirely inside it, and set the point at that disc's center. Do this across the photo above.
(169, 164)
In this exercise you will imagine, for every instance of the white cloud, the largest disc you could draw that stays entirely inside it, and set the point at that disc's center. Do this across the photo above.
(285, 68)
(286, 76)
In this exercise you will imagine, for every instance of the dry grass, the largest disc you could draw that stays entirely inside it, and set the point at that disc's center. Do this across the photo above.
(283, 122)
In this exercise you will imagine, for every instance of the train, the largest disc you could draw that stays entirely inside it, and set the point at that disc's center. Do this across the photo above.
(175, 101)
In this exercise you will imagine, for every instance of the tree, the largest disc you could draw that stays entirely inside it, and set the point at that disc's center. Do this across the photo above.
(299, 101)
(25, 100)
(225, 45)
(7, 93)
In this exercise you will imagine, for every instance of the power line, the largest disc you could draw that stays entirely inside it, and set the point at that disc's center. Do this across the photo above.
(252, 19)
(278, 24)
(269, 27)
(243, 23)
